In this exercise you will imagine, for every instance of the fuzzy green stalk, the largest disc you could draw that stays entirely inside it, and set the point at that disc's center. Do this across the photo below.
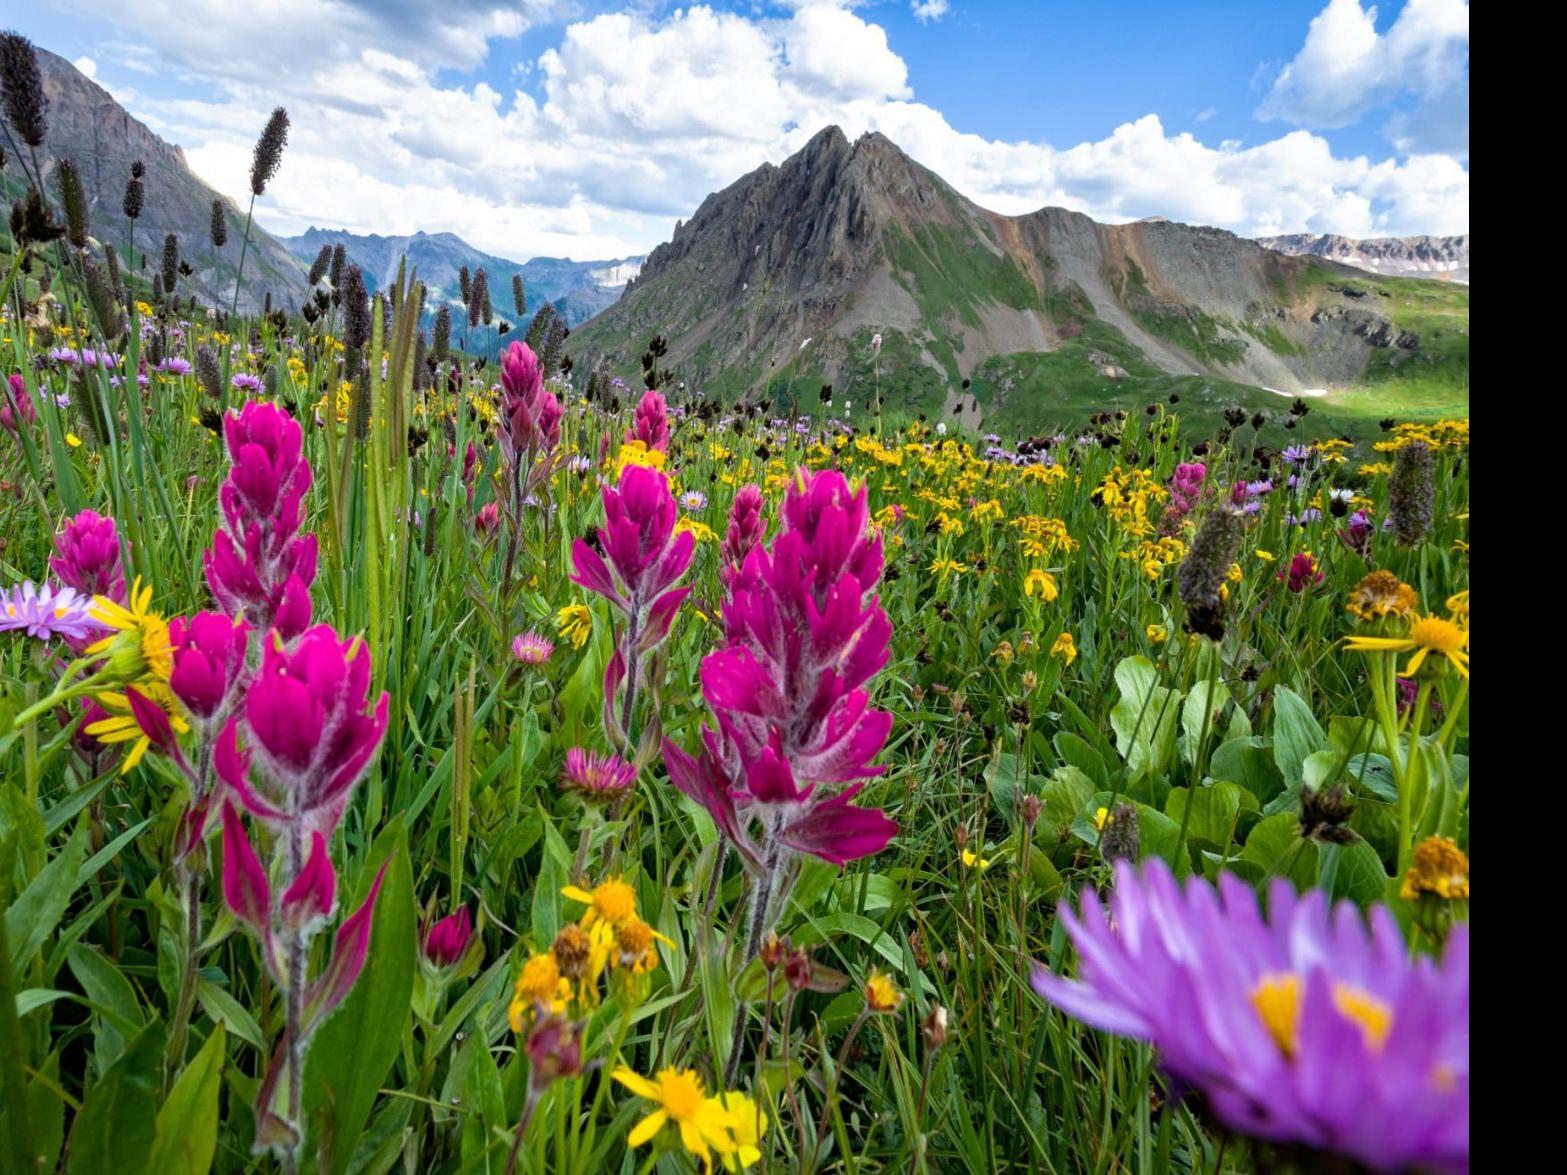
(244, 248)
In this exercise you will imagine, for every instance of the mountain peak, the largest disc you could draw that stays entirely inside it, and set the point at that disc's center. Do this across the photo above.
(781, 279)
(87, 126)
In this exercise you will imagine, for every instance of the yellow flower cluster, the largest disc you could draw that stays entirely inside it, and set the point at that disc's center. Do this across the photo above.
(610, 935)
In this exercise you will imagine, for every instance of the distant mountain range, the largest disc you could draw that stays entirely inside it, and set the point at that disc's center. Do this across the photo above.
(1446, 258)
(96, 133)
(780, 282)
(578, 289)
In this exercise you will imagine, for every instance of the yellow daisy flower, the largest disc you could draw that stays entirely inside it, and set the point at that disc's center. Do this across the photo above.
(1427, 635)
(703, 1122)
(611, 901)
(137, 648)
(574, 623)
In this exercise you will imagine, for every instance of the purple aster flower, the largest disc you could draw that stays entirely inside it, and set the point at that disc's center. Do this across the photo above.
(693, 500)
(47, 612)
(245, 382)
(1302, 1027)
(174, 365)
(1257, 488)
(532, 647)
(1297, 454)
(1309, 515)
(597, 779)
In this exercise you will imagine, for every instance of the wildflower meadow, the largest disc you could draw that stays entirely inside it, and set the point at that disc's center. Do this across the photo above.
(419, 761)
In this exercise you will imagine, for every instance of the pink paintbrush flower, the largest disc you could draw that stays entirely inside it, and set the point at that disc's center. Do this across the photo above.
(209, 663)
(650, 424)
(804, 636)
(309, 721)
(87, 556)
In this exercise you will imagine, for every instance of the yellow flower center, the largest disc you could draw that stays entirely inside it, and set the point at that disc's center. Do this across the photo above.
(1432, 632)
(1277, 999)
(539, 980)
(680, 1092)
(1374, 1017)
(614, 901)
(881, 994)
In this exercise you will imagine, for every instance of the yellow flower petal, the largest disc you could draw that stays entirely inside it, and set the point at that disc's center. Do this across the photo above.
(649, 1126)
(637, 1083)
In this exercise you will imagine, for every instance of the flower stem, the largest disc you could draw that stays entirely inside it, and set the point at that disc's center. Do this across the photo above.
(761, 898)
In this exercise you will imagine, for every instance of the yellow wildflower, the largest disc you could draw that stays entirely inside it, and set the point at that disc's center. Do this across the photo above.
(574, 623)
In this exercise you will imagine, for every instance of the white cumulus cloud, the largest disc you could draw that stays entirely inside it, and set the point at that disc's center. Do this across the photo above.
(631, 118)
(1346, 69)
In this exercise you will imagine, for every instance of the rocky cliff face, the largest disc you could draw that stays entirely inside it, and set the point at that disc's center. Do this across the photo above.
(95, 132)
(783, 278)
(1434, 257)
(579, 289)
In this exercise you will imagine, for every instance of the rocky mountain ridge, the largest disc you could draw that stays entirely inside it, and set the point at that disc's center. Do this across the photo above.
(578, 289)
(87, 126)
(1445, 258)
(782, 279)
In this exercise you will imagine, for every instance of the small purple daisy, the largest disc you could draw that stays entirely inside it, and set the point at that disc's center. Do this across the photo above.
(47, 612)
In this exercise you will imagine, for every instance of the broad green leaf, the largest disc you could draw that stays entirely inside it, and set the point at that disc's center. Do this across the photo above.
(115, 1128)
(1296, 734)
(187, 1133)
(1065, 795)
(352, 1052)
(1248, 762)
(1213, 813)
(1078, 752)
(1145, 717)
(1359, 875)
(1275, 847)
(1200, 715)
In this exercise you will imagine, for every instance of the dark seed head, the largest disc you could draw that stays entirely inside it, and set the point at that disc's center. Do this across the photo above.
(22, 89)
(73, 198)
(268, 154)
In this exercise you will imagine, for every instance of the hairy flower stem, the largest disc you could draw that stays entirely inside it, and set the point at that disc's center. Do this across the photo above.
(295, 1012)
(190, 871)
(187, 996)
(761, 899)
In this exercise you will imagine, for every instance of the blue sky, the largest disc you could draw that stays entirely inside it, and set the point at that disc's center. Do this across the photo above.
(587, 127)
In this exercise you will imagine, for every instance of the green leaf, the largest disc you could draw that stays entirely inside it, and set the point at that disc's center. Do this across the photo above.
(1276, 848)
(554, 870)
(1214, 810)
(1065, 795)
(229, 1012)
(1200, 715)
(1374, 773)
(1077, 752)
(1248, 762)
(1144, 719)
(115, 1129)
(1359, 875)
(474, 1086)
(37, 910)
(1296, 734)
(187, 1128)
(352, 1052)
(117, 1013)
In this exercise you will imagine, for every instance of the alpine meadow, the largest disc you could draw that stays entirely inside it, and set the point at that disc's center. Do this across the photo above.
(853, 680)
